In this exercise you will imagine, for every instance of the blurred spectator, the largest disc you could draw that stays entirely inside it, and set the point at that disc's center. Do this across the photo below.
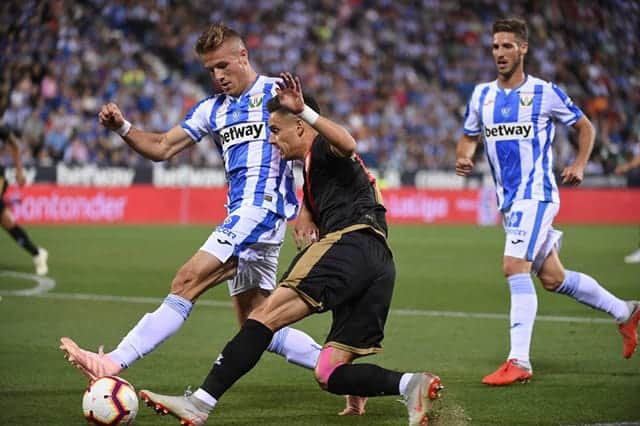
(401, 72)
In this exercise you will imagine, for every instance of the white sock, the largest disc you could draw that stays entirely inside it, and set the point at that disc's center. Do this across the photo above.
(404, 381)
(524, 305)
(296, 346)
(586, 290)
(205, 397)
(153, 329)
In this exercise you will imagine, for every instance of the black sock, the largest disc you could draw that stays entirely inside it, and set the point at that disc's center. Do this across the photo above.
(239, 356)
(364, 380)
(23, 240)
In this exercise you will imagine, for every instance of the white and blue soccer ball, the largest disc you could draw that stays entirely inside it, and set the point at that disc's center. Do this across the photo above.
(110, 400)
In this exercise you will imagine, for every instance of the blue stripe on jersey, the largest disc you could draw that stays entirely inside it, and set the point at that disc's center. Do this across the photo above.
(237, 179)
(267, 152)
(190, 113)
(535, 148)
(238, 155)
(505, 110)
(483, 95)
(214, 111)
(548, 187)
(192, 132)
(268, 224)
(542, 206)
(572, 107)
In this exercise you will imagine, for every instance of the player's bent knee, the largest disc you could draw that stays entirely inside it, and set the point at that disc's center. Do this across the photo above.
(324, 368)
(550, 282)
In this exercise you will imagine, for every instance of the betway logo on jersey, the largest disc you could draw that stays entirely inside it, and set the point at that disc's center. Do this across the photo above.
(508, 131)
(242, 132)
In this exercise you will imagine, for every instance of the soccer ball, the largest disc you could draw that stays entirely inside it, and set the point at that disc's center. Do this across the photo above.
(110, 400)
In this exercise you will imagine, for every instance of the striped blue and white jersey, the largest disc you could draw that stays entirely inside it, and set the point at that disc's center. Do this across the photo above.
(518, 127)
(256, 174)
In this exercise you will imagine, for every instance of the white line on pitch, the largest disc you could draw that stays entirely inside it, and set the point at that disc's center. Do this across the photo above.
(401, 312)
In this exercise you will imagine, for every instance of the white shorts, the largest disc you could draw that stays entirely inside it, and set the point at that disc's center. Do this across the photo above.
(254, 235)
(529, 231)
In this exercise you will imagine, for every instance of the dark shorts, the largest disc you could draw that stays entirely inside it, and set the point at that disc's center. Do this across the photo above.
(351, 274)
(3, 189)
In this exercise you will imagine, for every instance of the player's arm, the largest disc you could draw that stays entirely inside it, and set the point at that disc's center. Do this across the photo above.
(465, 148)
(290, 96)
(155, 146)
(14, 148)
(574, 173)
(631, 164)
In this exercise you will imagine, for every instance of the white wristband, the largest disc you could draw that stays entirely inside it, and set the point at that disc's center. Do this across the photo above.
(124, 129)
(309, 115)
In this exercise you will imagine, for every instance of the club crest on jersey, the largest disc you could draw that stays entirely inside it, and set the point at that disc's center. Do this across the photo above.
(526, 99)
(256, 100)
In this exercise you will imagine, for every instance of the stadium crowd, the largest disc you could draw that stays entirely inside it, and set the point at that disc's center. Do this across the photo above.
(398, 73)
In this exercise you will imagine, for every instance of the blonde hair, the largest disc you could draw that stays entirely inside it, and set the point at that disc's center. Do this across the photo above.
(213, 37)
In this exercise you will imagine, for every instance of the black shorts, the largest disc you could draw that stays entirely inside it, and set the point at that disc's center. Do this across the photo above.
(3, 189)
(352, 274)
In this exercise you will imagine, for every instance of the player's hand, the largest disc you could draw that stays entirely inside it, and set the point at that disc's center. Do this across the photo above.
(110, 116)
(289, 93)
(20, 179)
(464, 166)
(621, 170)
(573, 175)
(305, 231)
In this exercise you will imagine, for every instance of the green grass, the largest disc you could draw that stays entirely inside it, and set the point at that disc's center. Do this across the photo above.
(580, 375)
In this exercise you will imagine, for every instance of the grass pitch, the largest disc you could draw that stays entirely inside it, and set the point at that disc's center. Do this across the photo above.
(444, 275)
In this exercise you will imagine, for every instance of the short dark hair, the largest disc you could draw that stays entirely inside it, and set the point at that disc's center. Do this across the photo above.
(213, 37)
(513, 25)
(274, 104)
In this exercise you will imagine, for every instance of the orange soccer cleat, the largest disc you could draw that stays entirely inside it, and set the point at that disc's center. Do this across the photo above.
(508, 373)
(629, 330)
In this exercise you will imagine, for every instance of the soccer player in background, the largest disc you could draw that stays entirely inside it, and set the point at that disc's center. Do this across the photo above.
(261, 197)
(349, 271)
(632, 166)
(515, 116)
(39, 255)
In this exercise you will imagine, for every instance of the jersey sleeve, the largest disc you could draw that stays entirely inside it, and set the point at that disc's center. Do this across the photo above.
(562, 107)
(472, 115)
(196, 122)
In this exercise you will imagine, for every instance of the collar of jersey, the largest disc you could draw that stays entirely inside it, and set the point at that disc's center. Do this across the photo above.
(526, 77)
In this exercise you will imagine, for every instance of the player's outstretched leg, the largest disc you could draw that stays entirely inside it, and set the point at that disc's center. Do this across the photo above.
(629, 329)
(190, 410)
(91, 364)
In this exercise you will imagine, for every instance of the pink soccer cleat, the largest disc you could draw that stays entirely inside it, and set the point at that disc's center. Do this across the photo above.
(91, 364)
